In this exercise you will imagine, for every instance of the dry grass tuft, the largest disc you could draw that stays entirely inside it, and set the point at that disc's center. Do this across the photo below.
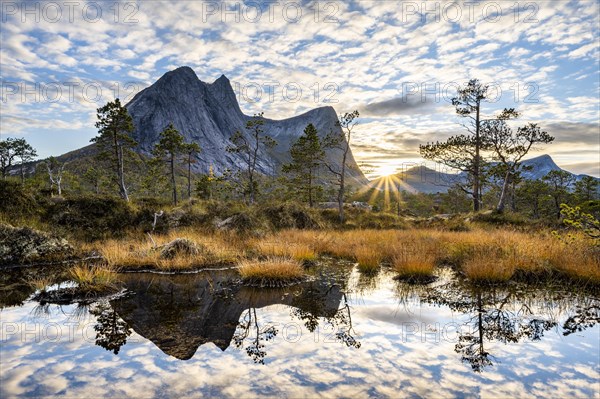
(295, 250)
(93, 278)
(414, 264)
(489, 265)
(271, 271)
(40, 283)
(368, 257)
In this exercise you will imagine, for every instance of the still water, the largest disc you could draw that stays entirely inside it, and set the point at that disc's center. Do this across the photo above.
(342, 334)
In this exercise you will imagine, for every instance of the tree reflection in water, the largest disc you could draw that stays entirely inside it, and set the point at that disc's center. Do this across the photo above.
(250, 331)
(342, 321)
(111, 331)
(506, 314)
(179, 313)
(256, 348)
(586, 316)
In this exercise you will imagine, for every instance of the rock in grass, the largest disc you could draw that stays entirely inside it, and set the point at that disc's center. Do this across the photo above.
(180, 247)
(23, 245)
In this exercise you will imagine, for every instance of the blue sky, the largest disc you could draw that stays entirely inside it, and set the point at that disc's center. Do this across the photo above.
(59, 61)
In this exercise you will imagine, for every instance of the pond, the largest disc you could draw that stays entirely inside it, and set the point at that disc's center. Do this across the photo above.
(341, 334)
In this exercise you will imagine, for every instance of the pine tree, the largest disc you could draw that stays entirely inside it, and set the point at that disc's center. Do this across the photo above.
(464, 152)
(114, 141)
(307, 156)
(249, 145)
(189, 149)
(341, 141)
(26, 153)
(509, 149)
(168, 148)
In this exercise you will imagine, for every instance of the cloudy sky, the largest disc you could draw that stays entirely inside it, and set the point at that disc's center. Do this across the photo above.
(398, 62)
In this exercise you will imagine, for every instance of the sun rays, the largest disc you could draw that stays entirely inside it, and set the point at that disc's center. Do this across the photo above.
(390, 186)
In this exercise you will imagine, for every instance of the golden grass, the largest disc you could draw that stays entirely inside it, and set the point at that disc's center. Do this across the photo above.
(489, 264)
(40, 283)
(140, 253)
(271, 270)
(481, 255)
(93, 278)
(410, 263)
(368, 257)
(296, 250)
(417, 256)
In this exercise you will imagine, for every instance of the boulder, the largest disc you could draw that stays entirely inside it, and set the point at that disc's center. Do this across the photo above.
(180, 247)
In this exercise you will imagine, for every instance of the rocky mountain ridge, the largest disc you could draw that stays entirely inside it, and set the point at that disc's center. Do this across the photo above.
(209, 114)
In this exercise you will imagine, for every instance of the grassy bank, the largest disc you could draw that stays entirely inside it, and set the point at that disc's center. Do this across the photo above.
(479, 255)
(142, 253)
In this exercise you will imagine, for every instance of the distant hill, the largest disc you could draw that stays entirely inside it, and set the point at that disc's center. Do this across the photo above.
(429, 181)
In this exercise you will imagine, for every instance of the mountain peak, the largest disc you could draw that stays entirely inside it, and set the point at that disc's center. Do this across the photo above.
(183, 74)
(223, 92)
(544, 161)
(183, 70)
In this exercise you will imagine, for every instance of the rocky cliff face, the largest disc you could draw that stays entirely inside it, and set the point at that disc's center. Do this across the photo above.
(209, 114)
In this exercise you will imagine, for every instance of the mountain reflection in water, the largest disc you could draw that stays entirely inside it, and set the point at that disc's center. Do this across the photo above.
(179, 313)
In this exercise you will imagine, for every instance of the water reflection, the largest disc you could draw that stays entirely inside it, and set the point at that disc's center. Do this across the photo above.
(16, 286)
(341, 334)
(505, 314)
(181, 313)
(586, 315)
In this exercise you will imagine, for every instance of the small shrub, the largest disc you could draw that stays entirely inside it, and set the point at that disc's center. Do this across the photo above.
(92, 217)
(15, 201)
(291, 215)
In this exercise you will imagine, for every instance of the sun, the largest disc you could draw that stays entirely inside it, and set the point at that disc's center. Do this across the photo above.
(387, 170)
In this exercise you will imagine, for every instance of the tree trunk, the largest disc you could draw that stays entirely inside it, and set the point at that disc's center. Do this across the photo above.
(251, 188)
(189, 176)
(341, 206)
(476, 171)
(22, 174)
(121, 173)
(513, 197)
(504, 193)
(173, 183)
(341, 196)
(310, 199)
(536, 208)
